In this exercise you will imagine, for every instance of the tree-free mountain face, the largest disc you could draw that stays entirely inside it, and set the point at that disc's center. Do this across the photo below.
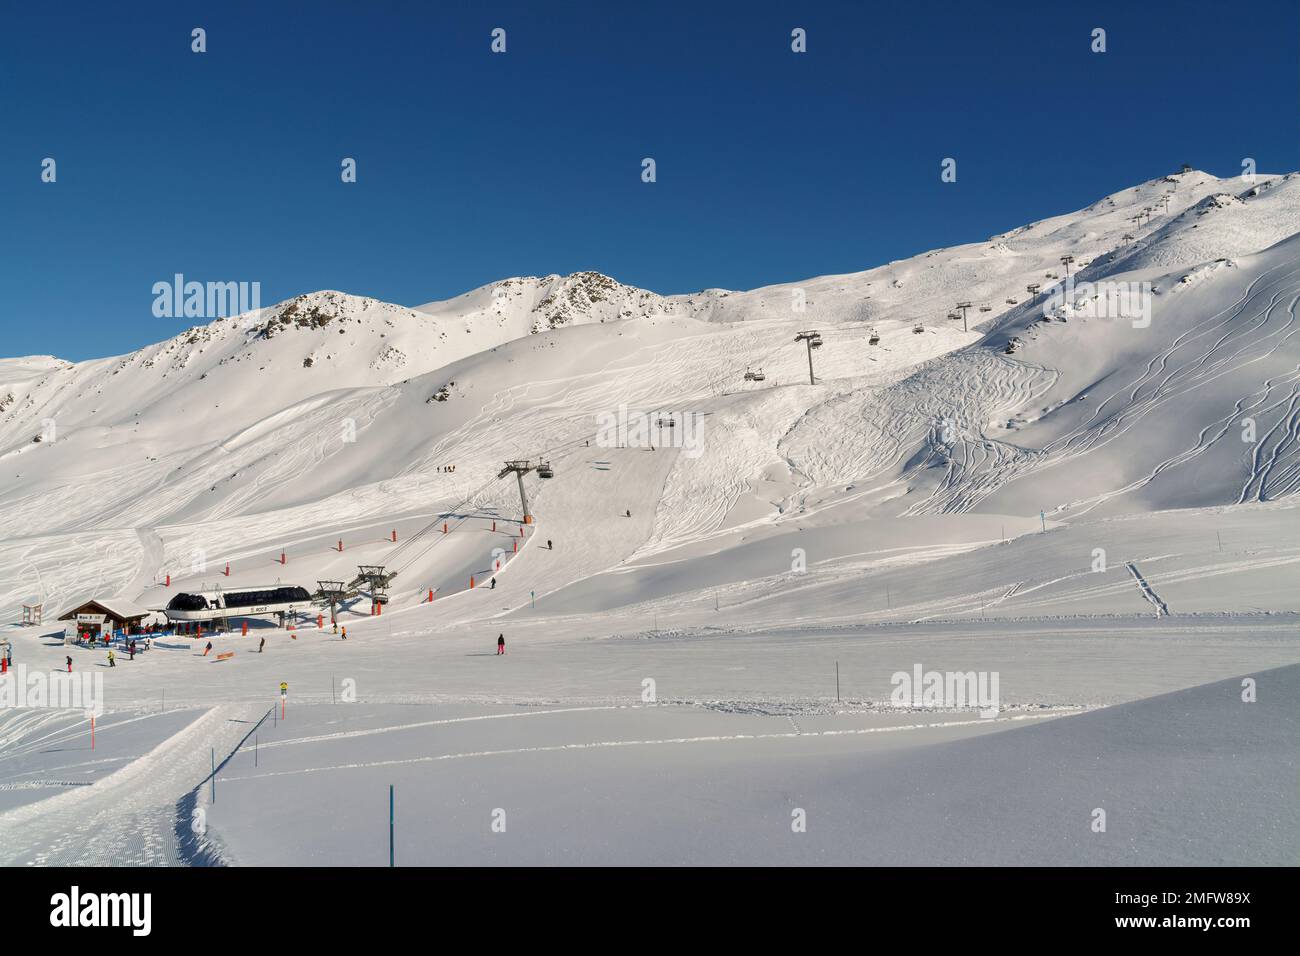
(332, 407)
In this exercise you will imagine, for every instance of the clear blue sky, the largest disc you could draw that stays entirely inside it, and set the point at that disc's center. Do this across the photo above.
(472, 167)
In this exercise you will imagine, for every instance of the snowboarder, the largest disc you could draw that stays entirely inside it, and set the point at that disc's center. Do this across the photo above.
(501, 644)
(261, 645)
(206, 649)
(69, 665)
(112, 661)
(494, 585)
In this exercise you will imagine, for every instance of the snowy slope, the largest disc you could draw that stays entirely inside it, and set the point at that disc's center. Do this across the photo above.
(331, 417)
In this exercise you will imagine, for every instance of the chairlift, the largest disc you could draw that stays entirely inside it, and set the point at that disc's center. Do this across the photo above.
(875, 338)
(1011, 301)
(918, 329)
(750, 376)
(986, 308)
(954, 316)
(544, 470)
(759, 376)
(815, 341)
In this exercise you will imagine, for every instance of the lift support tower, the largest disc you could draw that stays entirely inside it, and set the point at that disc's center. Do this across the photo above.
(520, 468)
(814, 341)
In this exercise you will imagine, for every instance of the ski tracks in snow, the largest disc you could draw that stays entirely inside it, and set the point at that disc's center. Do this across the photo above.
(128, 818)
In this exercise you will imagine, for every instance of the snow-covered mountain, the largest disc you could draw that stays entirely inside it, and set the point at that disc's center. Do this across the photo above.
(328, 409)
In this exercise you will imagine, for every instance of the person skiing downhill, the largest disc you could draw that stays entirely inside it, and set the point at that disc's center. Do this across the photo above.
(69, 665)
(345, 633)
(112, 661)
(501, 644)
(549, 545)
(494, 585)
(130, 651)
(261, 645)
(207, 649)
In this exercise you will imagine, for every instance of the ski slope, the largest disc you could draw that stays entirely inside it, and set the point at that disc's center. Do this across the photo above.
(1103, 512)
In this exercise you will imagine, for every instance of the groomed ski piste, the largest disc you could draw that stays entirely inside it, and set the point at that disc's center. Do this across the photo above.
(700, 668)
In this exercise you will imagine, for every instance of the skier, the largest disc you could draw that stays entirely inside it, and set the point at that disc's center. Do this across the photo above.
(112, 661)
(501, 644)
(494, 585)
(629, 512)
(130, 650)
(69, 665)
(206, 649)
(336, 627)
(345, 633)
(549, 546)
(261, 645)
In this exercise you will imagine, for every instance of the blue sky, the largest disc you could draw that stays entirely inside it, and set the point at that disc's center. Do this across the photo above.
(772, 166)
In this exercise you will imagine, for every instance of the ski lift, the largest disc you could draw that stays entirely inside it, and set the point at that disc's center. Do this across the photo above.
(986, 308)
(1011, 301)
(875, 338)
(544, 470)
(815, 341)
(954, 316)
(918, 329)
(759, 376)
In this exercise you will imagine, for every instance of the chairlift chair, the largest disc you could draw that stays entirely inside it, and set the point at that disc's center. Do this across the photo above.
(759, 376)
(875, 338)
(918, 329)
(815, 341)
(544, 470)
(749, 375)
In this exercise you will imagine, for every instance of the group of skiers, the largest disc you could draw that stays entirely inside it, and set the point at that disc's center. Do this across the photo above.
(448, 469)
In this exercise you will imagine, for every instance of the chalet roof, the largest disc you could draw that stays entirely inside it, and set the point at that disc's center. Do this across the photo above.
(117, 608)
